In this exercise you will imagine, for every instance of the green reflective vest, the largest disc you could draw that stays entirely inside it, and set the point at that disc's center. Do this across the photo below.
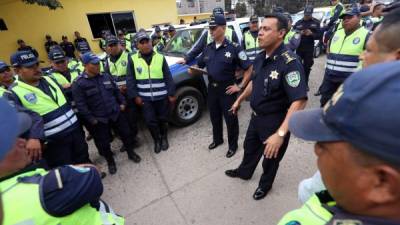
(344, 52)
(311, 213)
(333, 9)
(119, 68)
(2, 91)
(77, 65)
(61, 79)
(176, 44)
(228, 35)
(150, 78)
(21, 205)
(251, 47)
(57, 114)
(289, 36)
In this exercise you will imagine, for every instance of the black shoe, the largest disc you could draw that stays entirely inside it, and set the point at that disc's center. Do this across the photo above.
(235, 174)
(230, 153)
(134, 157)
(122, 149)
(157, 146)
(112, 168)
(214, 145)
(164, 143)
(260, 193)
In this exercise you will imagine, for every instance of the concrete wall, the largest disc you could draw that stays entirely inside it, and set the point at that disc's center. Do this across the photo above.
(32, 22)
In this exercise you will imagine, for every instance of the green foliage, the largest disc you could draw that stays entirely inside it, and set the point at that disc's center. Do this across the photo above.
(51, 4)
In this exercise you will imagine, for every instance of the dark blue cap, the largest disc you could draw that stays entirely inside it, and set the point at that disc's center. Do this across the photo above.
(12, 125)
(254, 18)
(353, 11)
(3, 65)
(364, 112)
(157, 29)
(56, 55)
(308, 10)
(90, 58)
(364, 8)
(171, 28)
(23, 58)
(111, 39)
(218, 11)
(141, 36)
(218, 20)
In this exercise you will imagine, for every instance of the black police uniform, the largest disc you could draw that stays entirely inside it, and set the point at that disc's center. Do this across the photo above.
(277, 81)
(98, 101)
(221, 64)
(306, 48)
(68, 48)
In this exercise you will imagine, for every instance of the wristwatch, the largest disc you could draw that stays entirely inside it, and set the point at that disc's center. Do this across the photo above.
(281, 133)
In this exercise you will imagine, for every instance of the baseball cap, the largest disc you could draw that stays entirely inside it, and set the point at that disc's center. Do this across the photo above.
(171, 28)
(3, 65)
(254, 18)
(364, 8)
(218, 20)
(218, 11)
(363, 112)
(12, 125)
(56, 55)
(278, 9)
(157, 29)
(308, 10)
(353, 11)
(23, 58)
(141, 36)
(89, 58)
(111, 39)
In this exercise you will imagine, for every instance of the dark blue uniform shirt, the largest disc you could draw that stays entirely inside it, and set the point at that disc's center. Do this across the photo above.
(277, 81)
(97, 98)
(221, 62)
(307, 42)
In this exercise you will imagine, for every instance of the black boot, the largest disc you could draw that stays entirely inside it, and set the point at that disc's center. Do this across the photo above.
(164, 137)
(133, 156)
(155, 133)
(112, 168)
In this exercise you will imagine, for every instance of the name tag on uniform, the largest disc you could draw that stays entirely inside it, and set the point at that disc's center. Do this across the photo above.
(107, 82)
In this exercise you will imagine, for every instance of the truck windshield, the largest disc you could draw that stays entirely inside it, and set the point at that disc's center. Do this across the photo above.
(183, 41)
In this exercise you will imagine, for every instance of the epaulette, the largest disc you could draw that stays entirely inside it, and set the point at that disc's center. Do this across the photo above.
(288, 56)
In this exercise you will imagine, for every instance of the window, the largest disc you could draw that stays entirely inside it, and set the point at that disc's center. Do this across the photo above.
(3, 25)
(111, 22)
(190, 3)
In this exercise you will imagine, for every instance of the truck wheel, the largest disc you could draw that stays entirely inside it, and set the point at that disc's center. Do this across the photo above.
(188, 108)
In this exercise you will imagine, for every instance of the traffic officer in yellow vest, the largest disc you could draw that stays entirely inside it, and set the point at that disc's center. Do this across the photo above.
(250, 41)
(221, 58)
(344, 50)
(65, 140)
(293, 37)
(151, 87)
(116, 64)
(65, 195)
(6, 77)
(207, 39)
(125, 43)
(59, 69)
(357, 131)
(100, 103)
(336, 11)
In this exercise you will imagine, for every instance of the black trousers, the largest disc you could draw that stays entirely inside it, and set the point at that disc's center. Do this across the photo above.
(327, 89)
(307, 59)
(156, 114)
(260, 128)
(68, 149)
(219, 104)
(102, 136)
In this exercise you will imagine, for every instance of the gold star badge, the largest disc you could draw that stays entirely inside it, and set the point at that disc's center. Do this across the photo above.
(274, 75)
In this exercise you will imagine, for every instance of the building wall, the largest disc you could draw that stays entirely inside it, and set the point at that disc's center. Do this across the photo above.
(200, 6)
(183, 7)
(32, 22)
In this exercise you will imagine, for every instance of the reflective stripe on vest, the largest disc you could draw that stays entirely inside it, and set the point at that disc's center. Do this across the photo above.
(343, 58)
(252, 47)
(150, 79)
(119, 68)
(17, 195)
(311, 213)
(57, 116)
(228, 35)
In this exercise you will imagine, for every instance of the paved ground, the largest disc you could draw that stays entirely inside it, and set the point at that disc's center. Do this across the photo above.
(187, 185)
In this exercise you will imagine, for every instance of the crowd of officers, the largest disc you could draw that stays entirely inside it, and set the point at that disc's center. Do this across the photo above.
(275, 58)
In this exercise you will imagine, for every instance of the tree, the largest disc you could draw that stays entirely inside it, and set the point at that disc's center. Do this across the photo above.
(51, 4)
(240, 9)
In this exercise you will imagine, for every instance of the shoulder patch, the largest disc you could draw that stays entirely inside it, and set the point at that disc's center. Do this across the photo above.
(288, 57)
(242, 55)
(293, 78)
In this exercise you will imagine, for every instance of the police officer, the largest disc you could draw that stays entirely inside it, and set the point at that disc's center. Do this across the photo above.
(102, 43)
(277, 89)
(59, 69)
(125, 43)
(159, 34)
(344, 50)
(66, 195)
(369, 189)
(6, 77)
(151, 87)
(250, 42)
(81, 44)
(207, 39)
(65, 140)
(337, 10)
(68, 47)
(100, 103)
(157, 43)
(49, 43)
(116, 64)
(221, 58)
(309, 29)
(293, 37)
(377, 14)
(23, 47)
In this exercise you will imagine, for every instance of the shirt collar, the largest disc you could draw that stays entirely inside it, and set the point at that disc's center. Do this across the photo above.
(224, 43)
(341, 214)
(278, 51)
